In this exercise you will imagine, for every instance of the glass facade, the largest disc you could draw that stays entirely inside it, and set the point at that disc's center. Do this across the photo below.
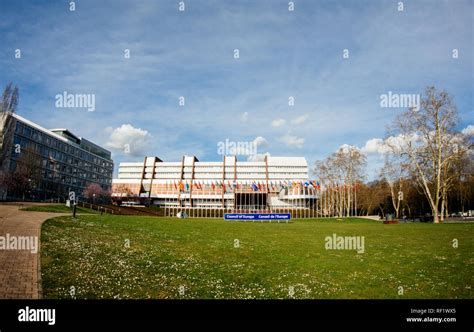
(66, 163)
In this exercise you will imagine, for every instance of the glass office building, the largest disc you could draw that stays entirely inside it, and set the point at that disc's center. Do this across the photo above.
(63, 162)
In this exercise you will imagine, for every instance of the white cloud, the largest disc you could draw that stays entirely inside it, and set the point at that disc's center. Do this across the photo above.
(128, 139)
(469, 130)
(300, 119)
(260, 141)
(374, 145)
(291, 140)
(381, 146)
(278, 122)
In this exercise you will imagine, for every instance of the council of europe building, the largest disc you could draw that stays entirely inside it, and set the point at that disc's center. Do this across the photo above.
(269, 184)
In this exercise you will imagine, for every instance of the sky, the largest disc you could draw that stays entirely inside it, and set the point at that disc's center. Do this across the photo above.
(283, 54)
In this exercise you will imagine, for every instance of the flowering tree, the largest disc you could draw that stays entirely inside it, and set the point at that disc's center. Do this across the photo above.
(93, 191)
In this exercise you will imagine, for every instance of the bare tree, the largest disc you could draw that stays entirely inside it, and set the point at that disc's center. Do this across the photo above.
(427, 140)
(10, 99)
(394, 172)
(351, 163)
(26, 176)
(8, 105)
(339, 174)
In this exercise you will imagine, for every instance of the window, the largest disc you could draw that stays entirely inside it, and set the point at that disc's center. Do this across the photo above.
(27, 132)
(19, 128)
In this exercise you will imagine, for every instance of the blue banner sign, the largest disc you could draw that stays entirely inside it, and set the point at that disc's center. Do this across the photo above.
(257, 216)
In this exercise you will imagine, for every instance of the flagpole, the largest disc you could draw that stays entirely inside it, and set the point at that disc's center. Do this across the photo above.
(323, 194)
(324, 198)
(321, 205)
(247, 203)
(300, 188)
(318, 198)
(298, 201)
(304, 201)
(318, 195)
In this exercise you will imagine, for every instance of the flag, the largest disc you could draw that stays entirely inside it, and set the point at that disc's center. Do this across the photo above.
(175, 186)
(254, 187)
(213, 186)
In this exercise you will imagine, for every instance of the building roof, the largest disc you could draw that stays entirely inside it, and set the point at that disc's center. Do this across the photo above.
(66, 136)
(38, 127)
(229, 160)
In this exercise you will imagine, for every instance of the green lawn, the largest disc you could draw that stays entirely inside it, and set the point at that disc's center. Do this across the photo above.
(198, 258)
(60, 208)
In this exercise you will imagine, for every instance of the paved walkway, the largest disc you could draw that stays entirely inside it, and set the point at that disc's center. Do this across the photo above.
(19, 268)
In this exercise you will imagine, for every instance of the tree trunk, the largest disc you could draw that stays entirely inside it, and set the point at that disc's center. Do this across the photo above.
(442, 210)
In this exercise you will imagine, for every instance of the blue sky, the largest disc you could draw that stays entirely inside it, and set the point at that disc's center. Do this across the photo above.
(191, 54)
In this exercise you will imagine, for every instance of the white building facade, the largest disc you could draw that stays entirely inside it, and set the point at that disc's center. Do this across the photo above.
(275, 182)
